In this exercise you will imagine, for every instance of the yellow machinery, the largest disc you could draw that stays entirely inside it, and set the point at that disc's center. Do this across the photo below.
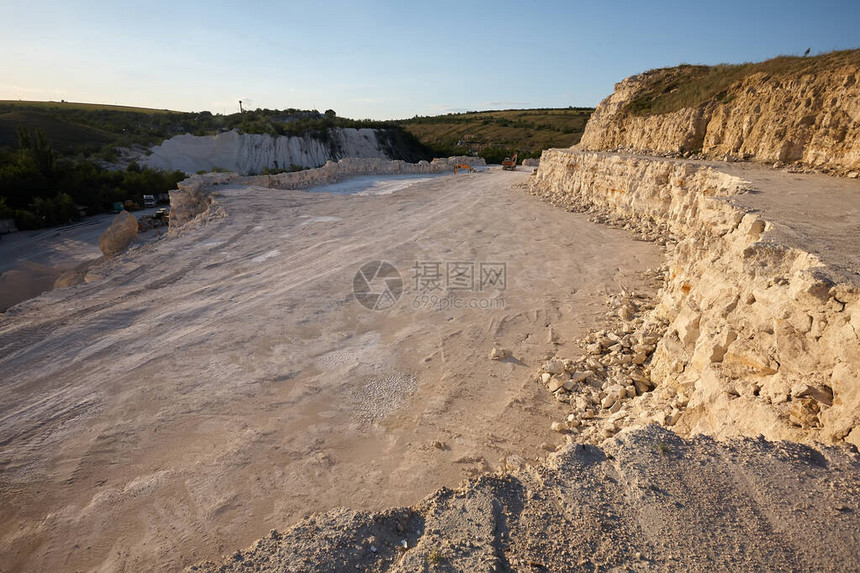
(462, 166)
(510, 163)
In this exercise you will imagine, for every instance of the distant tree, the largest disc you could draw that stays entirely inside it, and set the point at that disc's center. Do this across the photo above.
(330, 113)
(35, 148)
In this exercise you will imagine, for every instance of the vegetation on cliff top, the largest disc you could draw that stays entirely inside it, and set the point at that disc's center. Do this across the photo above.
(669, 89)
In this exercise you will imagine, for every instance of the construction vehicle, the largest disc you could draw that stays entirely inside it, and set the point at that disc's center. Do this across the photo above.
(462, 166)
(510, 163)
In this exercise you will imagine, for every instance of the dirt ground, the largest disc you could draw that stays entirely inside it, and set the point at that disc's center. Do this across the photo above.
(217, 385)
(644, 501)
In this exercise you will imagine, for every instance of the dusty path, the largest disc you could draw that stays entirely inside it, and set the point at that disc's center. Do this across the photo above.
(220, 384)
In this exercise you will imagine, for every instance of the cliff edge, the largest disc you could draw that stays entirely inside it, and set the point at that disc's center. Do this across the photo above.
(788, 110)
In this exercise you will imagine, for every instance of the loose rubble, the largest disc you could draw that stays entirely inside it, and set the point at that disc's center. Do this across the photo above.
(646, 500)
(609, 386)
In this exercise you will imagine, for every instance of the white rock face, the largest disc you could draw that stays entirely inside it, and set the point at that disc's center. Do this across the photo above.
(249, 154)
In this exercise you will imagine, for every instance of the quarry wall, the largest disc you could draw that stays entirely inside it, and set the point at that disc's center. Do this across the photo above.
(812, 118)
(761, 339)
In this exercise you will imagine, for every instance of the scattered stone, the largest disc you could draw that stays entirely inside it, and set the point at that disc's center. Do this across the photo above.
(558, 427)
(499, 353)
(804, 413)
(513, 462)
(554, 366)
(581, 376)
(640, 357)
(641, 386)
(593, 349)
(672, 417)
(554, 384)
(822, 395)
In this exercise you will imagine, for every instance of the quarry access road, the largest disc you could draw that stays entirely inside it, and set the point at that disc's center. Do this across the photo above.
(208, 387)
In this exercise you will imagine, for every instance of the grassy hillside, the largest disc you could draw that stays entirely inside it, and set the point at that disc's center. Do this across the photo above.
(66, 136)
(88, 129)
(669, 89)
(495, 134)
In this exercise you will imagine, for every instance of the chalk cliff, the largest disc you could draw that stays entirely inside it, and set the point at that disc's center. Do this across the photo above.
(804, 110)
(250, 154)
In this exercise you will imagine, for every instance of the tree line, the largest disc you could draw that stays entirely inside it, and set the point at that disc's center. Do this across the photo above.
(39, 189)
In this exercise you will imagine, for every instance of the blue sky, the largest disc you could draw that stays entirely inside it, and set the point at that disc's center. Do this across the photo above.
(386, 59)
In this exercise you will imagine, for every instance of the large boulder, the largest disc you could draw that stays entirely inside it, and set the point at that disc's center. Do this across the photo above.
(120, 234)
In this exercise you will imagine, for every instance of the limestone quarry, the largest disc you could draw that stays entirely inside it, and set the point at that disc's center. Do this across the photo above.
(668, 379)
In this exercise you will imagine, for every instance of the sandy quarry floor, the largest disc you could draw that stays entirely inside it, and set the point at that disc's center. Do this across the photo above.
(217, 385)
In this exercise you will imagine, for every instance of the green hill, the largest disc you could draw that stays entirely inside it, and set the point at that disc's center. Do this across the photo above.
(496, 134)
